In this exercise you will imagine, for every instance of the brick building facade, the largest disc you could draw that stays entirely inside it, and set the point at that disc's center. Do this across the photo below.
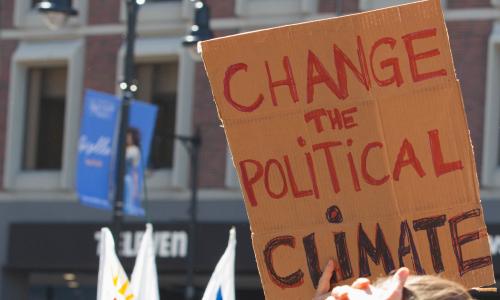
(89, 50)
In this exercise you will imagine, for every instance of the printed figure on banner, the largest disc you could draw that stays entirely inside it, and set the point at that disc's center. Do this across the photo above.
(138, 142)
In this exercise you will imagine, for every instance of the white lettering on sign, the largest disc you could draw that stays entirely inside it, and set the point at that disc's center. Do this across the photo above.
(101, 109)
(168, 244)
(494, 244)
(101, 147)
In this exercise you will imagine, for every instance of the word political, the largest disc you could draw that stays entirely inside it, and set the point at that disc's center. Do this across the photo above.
(255, 173)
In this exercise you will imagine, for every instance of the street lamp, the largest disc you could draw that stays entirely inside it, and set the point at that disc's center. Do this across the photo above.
(56, 12)
(200, 30)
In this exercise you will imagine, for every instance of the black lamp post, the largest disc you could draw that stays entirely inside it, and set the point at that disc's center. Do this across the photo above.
(200, 31)
(128, 88)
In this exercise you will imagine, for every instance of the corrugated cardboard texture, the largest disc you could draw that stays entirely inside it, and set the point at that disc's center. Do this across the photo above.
(350, 140)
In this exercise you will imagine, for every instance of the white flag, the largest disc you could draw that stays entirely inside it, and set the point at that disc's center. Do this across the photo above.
(221, 284)
(112, 280)
(144, 282)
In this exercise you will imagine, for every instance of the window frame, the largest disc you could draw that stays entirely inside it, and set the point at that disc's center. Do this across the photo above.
(26, 17)
(67, 53)
(490, 171)
(245, 8)
(231, 176)
(375, 4)
(164, 49)
(159, 12)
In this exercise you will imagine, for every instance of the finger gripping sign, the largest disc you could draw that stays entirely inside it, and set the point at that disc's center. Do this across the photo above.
(350, 141)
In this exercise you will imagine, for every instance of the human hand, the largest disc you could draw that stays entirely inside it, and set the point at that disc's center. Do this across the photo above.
(361, 288)
(324, 282)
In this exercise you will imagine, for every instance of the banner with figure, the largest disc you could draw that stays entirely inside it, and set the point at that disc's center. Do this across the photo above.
(96, 150)
(139, 135)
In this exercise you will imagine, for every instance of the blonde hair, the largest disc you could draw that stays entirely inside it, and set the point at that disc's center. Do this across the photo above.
(429, 287)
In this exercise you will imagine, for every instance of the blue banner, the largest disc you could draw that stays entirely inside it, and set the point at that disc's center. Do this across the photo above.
(139, 136)
(96, 150)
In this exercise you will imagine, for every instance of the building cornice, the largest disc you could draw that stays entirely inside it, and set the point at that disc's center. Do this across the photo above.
(237, 24)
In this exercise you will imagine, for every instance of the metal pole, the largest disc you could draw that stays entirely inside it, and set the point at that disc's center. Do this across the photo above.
(128, 76)
(193, 149)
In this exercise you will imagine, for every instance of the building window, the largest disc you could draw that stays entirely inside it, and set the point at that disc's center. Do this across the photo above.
(160, 11)
(158, 85)
(45, 107)
(45, 97)
(490, 171)
(165, 74)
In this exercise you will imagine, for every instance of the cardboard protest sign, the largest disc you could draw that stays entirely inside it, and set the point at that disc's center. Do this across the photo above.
(350, 140)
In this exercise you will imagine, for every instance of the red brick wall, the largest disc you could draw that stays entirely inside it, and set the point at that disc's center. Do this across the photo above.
(6, 13)
(468, 3)
(469, 43)
(221, 8)
(101, 55)
(104, 11)
(213, 149)
(7, 49)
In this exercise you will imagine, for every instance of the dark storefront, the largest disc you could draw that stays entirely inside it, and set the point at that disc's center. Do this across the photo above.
(66, 261)
(60, 261)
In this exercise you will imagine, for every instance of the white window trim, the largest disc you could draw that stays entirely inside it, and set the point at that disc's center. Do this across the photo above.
(247, 8)
(375, 4)
(30, 54)
(231, 177)
(26, 17)
(160, 12)
(165, 49)
(490, 172)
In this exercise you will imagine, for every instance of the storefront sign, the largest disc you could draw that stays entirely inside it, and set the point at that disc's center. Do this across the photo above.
(74, 246)
(168, 244)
